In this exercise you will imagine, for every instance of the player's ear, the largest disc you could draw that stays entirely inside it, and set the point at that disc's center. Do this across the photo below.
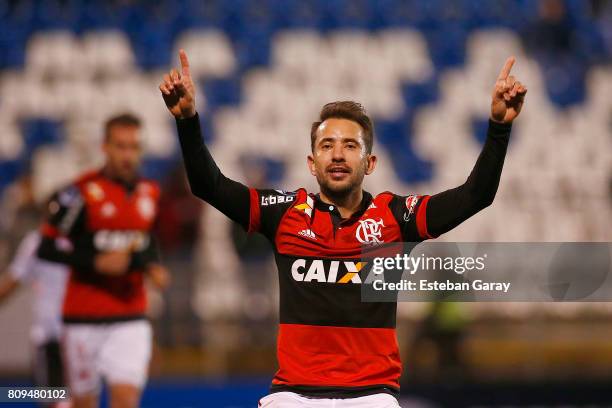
(371, 161)
(311, 164)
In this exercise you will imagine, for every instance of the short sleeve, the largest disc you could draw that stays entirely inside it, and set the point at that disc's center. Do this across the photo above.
(410, 212)
(267, 208)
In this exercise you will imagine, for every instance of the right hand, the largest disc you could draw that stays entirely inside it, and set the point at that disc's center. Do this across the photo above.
(113, 263)
(178, 91)
(508, 95)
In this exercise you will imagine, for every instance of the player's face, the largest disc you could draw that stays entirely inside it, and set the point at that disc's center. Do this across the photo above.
(339, 160)
(123, 151)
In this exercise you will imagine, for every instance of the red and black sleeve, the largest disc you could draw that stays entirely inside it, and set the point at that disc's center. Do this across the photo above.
(410, 212)
(267, 209)
(256, 210)
(206, 180)
(448, 209)
(423, 217)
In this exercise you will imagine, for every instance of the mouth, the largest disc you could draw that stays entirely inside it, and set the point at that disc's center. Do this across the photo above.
(338, 172)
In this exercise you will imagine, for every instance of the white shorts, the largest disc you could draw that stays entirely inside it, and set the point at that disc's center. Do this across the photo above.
(292, 400)
(119, 353)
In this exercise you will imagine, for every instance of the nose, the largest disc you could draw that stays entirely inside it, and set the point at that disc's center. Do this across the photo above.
(338, 153)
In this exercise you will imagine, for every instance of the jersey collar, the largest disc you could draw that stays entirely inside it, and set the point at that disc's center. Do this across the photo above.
(128, 186)
(320, 205)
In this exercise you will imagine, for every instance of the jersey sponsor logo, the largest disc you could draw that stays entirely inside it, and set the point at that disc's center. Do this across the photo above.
(319, 270)
(306, 207)
(411, 202)
(276, 199)
(118, 240)
(307, 233)
(94, 191)
(369, 231)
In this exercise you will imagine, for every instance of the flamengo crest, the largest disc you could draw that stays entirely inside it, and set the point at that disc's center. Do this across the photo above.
(369, 231)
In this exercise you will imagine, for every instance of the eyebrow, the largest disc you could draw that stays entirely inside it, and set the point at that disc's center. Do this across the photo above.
(344, 140)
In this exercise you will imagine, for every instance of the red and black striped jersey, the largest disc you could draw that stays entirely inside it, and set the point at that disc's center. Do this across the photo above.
(329, 341)
(98, 214)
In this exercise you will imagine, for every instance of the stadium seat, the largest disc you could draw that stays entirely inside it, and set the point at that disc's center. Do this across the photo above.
(39, 132)
(53, 54)
(210, 53)
(107, 53)
(9, 171)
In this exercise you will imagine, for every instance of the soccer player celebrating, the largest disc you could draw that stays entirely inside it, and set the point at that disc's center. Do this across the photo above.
(332, 346)
(107, 216)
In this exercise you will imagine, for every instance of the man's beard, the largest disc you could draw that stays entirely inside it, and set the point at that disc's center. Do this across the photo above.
(338, 193)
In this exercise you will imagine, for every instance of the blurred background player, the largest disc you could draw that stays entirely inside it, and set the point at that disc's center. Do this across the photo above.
(48, 282)
(107, 215)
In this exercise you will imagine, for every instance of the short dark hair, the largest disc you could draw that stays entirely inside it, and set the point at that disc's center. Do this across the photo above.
(124, 119)
(345, 110)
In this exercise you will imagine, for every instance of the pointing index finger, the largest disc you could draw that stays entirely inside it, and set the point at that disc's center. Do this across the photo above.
(505, 71)
(184, 62)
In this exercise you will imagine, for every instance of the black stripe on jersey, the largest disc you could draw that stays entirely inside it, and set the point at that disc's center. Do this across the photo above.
(325, 303)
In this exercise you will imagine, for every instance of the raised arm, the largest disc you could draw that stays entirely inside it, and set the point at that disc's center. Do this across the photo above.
(450, 208)
(205, 179)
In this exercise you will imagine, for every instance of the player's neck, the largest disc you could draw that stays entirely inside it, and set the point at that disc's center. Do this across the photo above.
(127, 183)
(347, 204)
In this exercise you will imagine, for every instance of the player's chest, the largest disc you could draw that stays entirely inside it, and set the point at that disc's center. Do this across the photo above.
(321, 233)
(111, 207)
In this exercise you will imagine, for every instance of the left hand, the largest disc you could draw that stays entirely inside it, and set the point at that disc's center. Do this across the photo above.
(508, 95)
(160, 277)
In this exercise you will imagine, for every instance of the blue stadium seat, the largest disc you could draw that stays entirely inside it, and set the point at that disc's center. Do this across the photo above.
(221, 92)
(479, 129)
(395, 137)
(200, 14)
(590, 44)
(489, 14)
(98, 14)
(9, 171)
(152, 46)
(343, 14)
(38, 132)
(158, 168)
(252, 47)
(275, 170)
(447, 45)
(565, 79)
(303, 14)
(55, 14)
(418, 94)
(16, 24)
(400, 13)
(13, 37)
(206, 124)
